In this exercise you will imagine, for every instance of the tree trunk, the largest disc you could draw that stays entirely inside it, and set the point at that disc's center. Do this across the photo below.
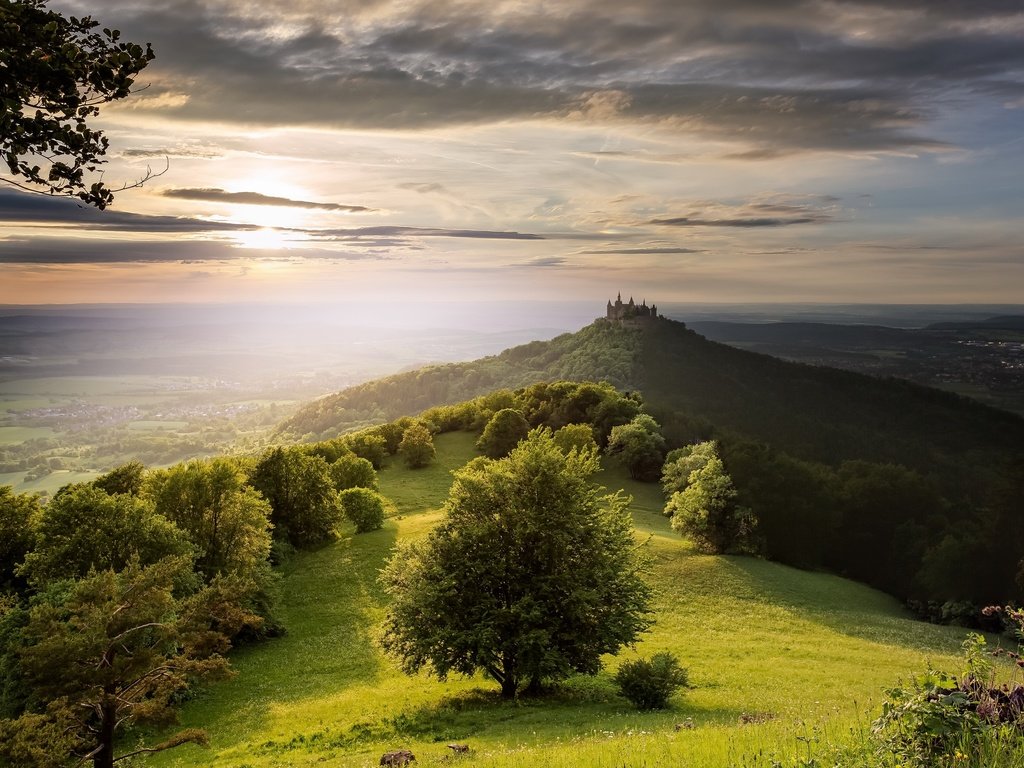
(534, 686)
(108, 720)
(509, 686)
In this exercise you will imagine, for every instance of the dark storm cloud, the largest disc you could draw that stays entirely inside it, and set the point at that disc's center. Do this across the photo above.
(24, 208)
(255, 198)
(779, 77)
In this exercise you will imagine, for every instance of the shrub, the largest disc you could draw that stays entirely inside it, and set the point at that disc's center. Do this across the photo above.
(363, 507)
(942, 716)
(417, 446)
(351, 471)
(648, 684)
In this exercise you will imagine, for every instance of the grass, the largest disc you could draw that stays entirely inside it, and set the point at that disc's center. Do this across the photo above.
(49, 483)
(804, 655)
(16, 435)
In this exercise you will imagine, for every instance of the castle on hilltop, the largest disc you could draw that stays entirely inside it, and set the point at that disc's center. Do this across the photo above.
(631, 311)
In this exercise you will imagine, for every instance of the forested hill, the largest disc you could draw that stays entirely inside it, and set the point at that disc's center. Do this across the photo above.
(700, 388)
(886, 481)
(598, 352)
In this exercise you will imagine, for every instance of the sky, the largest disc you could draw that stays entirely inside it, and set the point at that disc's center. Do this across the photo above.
(674, 150)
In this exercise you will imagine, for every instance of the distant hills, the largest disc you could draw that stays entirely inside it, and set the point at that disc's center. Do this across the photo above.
(980, 358)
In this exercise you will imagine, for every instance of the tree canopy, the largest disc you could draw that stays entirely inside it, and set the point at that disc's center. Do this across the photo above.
(417, 446)
(532, 575)
(505, 429)
(640, 446)
(304, 504)
(55, 72)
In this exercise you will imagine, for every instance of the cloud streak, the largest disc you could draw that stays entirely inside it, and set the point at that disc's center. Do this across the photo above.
(214, 195)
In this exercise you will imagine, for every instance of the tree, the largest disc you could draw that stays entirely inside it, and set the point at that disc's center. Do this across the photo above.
(127, 478)
(640, 446)
(706, 511)
(368, 445)
(227, 521)
(363, 507)
(303, 502)
(681, 463)
(116, 649)
(505, 429)
(55, 72)
(417, 446)
(85, 529)
(351, 471)
(576, 436)
(532, 575)
(16, 534)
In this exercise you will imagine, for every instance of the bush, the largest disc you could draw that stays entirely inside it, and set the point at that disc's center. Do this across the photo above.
(351, 471)
(363, 507)
(417, 446)
(944, 718)
(648, 684)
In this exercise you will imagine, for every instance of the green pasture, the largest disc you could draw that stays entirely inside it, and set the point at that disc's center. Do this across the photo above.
(49, 483)
(780, 661)
(16, 435)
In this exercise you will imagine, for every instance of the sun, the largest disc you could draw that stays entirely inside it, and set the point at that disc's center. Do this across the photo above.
(264, 239)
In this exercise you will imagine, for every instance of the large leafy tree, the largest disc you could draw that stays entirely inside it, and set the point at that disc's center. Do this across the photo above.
(113, 650)
(226, 520)
(505, 429)
(707, 512)
(640, 446)
(84, 529)
(304, 504)
(532, 575)
(55, 72)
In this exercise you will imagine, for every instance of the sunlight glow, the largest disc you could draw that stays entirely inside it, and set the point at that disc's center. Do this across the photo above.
(266, 239)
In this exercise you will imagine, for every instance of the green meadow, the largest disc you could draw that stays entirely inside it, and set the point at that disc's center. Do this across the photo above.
(781, 663)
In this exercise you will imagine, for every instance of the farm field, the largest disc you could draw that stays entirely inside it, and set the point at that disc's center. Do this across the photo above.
(780, 661)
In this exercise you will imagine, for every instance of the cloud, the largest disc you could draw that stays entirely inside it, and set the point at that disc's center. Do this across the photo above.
(771, 211)
(423, 187)
(31, 209)
(162, 152)
(544, 262)
(686, 221)
(643, 251)
(214, 195)
(801, 75)
(399, 231)
(71, 250)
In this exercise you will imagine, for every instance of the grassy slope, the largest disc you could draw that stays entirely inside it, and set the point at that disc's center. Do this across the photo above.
(757, 637)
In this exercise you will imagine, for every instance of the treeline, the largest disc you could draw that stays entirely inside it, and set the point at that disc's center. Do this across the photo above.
(879, 523)
(600, 352)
